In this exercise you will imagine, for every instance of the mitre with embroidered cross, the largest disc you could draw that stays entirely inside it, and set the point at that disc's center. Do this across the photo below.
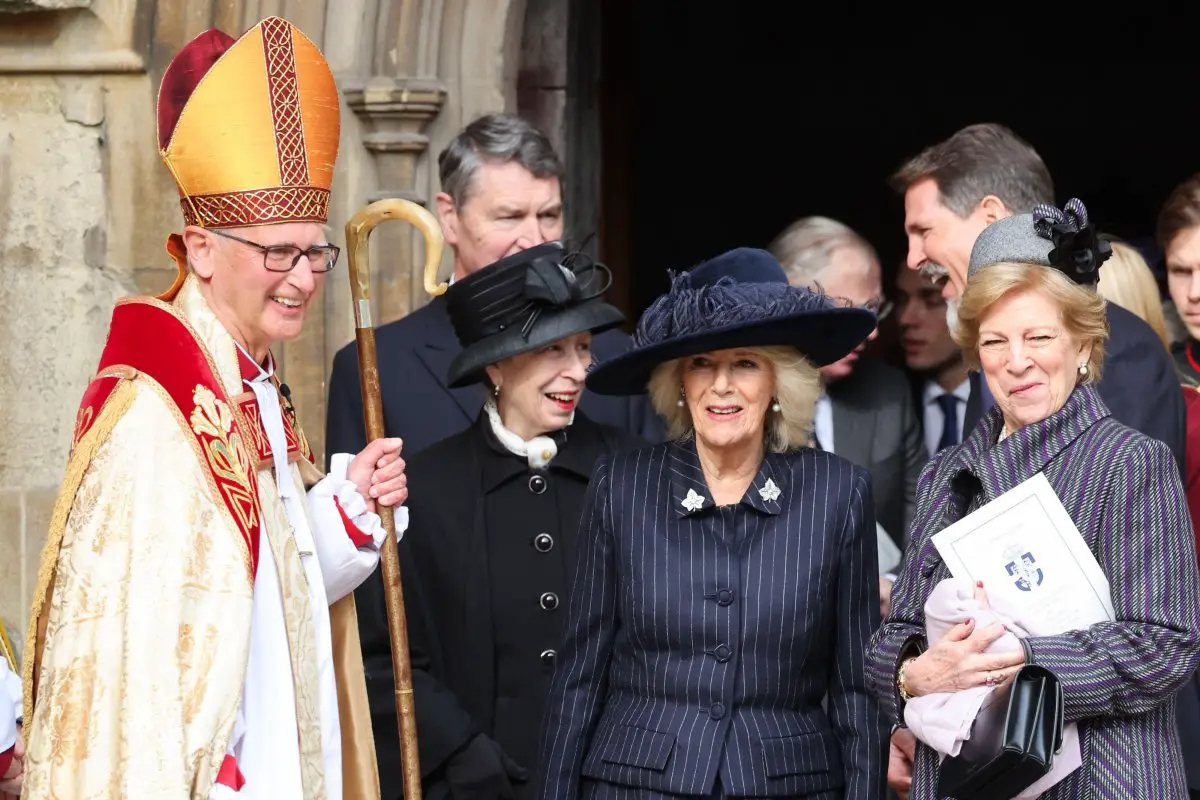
(249, 130)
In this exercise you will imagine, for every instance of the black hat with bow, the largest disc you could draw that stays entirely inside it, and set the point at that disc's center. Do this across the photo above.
(522, 302)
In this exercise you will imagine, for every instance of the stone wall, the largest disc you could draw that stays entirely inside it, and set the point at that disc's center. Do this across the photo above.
(73, 153)
(85, 204)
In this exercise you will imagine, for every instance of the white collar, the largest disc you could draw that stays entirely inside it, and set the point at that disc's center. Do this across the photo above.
(538, 451)
(934, 390)
(263, 374)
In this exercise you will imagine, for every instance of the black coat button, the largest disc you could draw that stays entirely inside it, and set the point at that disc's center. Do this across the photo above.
(543, 543)
(722, 653)
(725, 597)
(549, 601)
(717, 711)
(548, 657)
(537, 484)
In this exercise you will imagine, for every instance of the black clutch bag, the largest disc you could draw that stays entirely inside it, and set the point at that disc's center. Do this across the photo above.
(1013, 741)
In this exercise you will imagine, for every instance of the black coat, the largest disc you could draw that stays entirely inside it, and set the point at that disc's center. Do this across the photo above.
(486, 566)
(414, 354)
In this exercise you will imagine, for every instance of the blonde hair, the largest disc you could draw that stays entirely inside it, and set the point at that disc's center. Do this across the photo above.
(1126, 279)
(797, 387)
(1082, 310)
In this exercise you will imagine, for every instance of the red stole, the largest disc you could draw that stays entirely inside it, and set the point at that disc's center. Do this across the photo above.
(149, 338)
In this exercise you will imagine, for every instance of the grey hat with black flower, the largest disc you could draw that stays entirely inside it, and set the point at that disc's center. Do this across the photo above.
(1062, 238)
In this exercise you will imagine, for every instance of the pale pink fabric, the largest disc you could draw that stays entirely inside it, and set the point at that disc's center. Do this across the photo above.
(943, 721)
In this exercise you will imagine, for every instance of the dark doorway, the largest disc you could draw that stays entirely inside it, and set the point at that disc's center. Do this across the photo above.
(724, 123)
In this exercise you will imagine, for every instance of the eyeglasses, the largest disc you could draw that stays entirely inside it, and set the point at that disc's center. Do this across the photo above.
(880, 307)
(285, 257)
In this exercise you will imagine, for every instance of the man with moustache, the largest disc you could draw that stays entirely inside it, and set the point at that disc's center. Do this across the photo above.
(939, 372)
(956, 188)
(501, 193)
(952, 191)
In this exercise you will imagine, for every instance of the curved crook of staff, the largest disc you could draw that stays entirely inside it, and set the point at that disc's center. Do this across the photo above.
(358, 231)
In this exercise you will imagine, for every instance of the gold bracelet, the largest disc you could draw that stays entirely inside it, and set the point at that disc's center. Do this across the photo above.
(901, 683)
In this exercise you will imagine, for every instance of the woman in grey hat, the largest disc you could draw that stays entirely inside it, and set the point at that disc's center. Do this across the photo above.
(494, 512)
(726, 584)
(1031, 320)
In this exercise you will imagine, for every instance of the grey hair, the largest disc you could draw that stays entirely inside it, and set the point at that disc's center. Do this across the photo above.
(805, 248)
(495, 139)
(977, 161)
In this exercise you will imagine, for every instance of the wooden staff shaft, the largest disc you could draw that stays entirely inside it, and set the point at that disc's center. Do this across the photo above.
(358, 231)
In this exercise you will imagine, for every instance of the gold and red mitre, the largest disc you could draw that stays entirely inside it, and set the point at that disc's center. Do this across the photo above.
(249, 130)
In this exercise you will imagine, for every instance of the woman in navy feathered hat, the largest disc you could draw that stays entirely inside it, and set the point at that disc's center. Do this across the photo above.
(725, 581)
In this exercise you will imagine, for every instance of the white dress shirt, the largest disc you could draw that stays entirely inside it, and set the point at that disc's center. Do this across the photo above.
(823, 423)
(935, 420)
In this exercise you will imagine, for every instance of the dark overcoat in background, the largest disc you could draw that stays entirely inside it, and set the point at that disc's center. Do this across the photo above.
(486, 571)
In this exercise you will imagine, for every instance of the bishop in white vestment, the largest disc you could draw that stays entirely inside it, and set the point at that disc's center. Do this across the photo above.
(193, 632)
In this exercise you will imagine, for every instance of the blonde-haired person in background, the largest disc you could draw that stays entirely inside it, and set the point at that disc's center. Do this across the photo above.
(1127, 281)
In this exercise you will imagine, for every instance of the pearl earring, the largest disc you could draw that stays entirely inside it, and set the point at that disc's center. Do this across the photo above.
(1083, 369)
(775, 407)
(679, 402)
(496, 390)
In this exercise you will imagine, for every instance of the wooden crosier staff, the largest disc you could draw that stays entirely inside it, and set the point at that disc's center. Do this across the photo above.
(358, 231)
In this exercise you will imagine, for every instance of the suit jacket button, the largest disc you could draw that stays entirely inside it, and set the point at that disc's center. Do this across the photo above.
(717, 711)
(549, 601)
(537, 484)
(548, 657)
(722, 653)
(725, 597)
(543, 543)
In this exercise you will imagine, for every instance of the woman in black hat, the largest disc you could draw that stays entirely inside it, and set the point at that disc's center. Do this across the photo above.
(725, 589)
(494, 512)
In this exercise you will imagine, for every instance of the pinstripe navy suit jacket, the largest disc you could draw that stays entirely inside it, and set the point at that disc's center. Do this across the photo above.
(1119, 678)
(701, 640)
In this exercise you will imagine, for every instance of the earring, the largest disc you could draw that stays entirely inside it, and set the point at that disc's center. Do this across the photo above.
(775, 407)
(679, 402)
(496, 390)
(1083, 369)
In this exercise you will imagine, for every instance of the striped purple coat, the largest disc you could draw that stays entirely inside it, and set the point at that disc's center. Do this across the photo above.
(1119, 678)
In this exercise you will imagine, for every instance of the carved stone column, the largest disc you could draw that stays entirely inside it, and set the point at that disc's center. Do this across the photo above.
(395, 113)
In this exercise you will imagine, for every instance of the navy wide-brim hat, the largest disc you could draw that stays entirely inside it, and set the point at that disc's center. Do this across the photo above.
(525, 301)
(741, 298)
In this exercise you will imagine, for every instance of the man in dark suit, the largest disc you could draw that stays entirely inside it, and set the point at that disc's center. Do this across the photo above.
(500, 194)
(952, 191)
(866, 414)
(955, 189)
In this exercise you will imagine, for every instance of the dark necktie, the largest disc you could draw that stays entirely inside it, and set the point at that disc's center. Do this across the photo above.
(949, 405)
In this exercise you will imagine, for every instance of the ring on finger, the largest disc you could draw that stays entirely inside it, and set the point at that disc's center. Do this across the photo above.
(990, 679)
